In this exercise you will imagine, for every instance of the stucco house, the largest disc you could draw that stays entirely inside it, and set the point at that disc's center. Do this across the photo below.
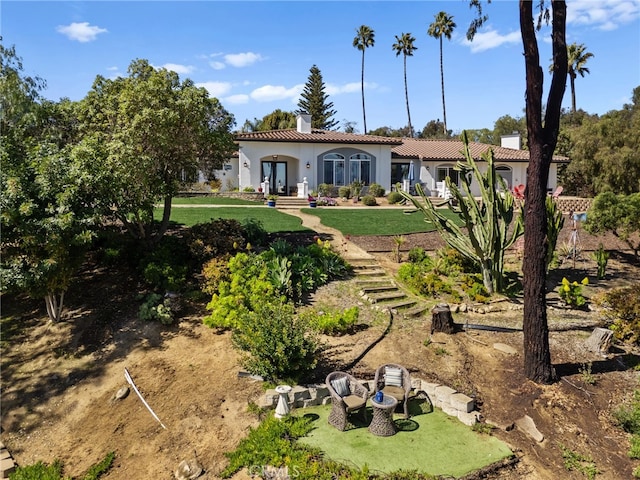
(290, 162)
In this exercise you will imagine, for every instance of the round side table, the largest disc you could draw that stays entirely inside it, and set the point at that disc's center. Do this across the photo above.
(282, 409)
(382, 423)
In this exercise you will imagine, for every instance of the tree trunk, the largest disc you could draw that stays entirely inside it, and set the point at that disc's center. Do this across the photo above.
(444, 110)
(364, 115)
(406, 96)
(441, 319)
(573, 92)
(542, 141)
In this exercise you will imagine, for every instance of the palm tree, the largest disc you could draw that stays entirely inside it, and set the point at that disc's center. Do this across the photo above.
(442, 26)
(364, 38)
(404, 45)
(577, 58)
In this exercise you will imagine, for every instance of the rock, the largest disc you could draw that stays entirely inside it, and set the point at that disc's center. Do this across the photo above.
(528, 426)
(188, 470)
(122, 393)
(504, 348)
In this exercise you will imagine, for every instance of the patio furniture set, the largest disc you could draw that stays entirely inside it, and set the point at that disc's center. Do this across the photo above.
(392, 384)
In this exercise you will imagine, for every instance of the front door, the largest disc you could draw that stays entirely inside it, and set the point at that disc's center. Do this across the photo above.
(276, 172)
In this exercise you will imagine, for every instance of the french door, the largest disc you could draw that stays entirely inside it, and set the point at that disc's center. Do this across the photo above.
(276, 172)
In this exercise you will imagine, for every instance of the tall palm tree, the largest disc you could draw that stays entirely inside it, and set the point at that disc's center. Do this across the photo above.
(577, 58)
(442, 26)
(365, 37)
(404, 45)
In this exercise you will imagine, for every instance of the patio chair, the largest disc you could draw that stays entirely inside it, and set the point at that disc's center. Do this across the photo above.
(347, 396)
(394, 380)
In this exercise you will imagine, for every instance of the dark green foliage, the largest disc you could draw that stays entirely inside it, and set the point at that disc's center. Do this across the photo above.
(98, 469)
(417, 255)
(334, 322)
(314, 101)
(369, 200)
(622, 309)
(618, 214)
(156, 308)
(394, 197)
(628, 416)
(274, 343)
(215, 238)
(344, 191)
(376, 190)
(38, 471)
(601, 256)
(165, 268)
(325, 189)
(555, 222)
(473, 287)
(254, 232)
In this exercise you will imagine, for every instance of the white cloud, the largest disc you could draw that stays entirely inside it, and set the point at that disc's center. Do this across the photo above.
(491, 39)
(112, 69)
(239, 99)
(353, 87)
(216, 89)
(180, 69)
(217, 65)
(242, 59)
(82, 32)
(603, 15)
(269, 93)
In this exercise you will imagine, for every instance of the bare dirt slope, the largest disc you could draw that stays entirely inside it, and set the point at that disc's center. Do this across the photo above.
(58, 383)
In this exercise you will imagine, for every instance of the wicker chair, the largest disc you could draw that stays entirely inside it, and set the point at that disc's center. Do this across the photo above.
(399, 389)
(353, 398)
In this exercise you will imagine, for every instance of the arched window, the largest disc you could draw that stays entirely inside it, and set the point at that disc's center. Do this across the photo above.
(507, 174)
(333, 169)
(360, 168)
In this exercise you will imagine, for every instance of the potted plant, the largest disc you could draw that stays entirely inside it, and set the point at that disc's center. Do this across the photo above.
(271, 200)
(312, 201)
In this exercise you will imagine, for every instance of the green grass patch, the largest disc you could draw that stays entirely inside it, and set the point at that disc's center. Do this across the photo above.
(433, 443)
(213, 201)
(372, 221)
(272, 220)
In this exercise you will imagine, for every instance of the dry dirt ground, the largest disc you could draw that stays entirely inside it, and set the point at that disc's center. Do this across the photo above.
(59, 380)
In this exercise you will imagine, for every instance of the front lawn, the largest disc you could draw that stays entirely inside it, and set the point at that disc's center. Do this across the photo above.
(373, 221)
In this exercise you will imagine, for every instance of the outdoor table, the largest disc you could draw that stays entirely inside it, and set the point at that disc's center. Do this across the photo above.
(382, 422)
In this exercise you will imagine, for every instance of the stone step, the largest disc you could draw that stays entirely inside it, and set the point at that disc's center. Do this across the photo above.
(370, 273)
(377, 288)
(383, 282)
(364, 266)
(397, 295)
(415, 311)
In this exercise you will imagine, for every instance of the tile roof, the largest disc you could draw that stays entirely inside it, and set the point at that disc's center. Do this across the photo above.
(443, 150)
(316, 136)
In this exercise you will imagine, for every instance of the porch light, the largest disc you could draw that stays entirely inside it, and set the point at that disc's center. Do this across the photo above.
(308, 165)
(245, 165)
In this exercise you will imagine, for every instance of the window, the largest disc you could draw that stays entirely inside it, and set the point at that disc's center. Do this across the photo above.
(506, 173)
(360, 168)
(333, 169)
(445, 171)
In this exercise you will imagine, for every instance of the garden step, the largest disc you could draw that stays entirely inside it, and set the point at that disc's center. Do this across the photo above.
(370, 273)
(416, 311)
(397, 295)
(396, 306)
(378, 288)
(383, 282)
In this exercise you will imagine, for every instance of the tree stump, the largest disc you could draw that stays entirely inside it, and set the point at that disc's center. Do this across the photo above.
(441, 319)
(600, 340)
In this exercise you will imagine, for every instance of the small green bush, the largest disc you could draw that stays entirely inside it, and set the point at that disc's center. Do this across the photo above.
(417, 255)
(622, 309)
(376, 190)
(165, 267)
(394, 197)
(155, 308)
(325, 189)
(579, 462)
(38, 471)
(571, 292)
(335, 322)
(214, 271)
(369, 200)
(248, 189)
(254, 232)
(274, 343)
(344, 192)
(214, 238)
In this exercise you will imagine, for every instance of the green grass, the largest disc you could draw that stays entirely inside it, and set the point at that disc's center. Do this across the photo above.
(373, 221)
(432, 443)
(212, 201)
(272, 220)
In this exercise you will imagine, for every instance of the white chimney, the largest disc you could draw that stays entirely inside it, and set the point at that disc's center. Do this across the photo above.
(304, 123)
(511, 141)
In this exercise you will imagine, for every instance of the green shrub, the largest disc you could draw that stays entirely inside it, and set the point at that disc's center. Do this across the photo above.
(274, 343)
(571, 292)
(369, 200)
(376, 190)
(622, 309)
(254, 232)
(248, 189)
(628, 416)
(394, 197)
(38, 471)
(334, 322)
(325, 189)
(602, 258)
(474, 288)
(579, 462)
(214, 238)
(634, 451)
(214, 271)
(417, 255)
(155, 308)
(344, 192)
(165, 268)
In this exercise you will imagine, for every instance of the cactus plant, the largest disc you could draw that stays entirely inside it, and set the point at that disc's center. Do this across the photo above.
(487, 222)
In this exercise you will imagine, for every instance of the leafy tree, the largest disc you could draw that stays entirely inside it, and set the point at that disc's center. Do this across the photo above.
(349, 126)
(391, 132)
(365, 38)
(277, 120)
(618, 214)
(314, 102)
(49, 190)
(542, 128)
(507, 125)
(604, 151)
(404, 45)
(434, 129)
(155, 129)
(442, 27)
(577, 57)
(488, 233)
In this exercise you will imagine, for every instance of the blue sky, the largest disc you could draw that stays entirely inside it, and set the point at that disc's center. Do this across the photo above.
(255, 56)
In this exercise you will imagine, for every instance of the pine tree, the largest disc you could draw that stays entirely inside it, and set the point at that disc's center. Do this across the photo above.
(314, 102)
